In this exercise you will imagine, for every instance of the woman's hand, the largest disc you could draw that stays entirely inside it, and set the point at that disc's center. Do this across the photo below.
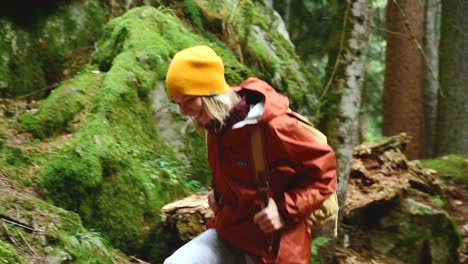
(269, 219)
(214, 205)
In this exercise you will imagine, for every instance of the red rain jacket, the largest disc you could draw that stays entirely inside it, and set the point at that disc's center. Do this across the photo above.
(302, 175)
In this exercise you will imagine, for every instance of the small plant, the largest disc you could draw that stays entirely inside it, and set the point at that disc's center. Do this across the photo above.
(316, 244)
(90, 247)
(192, 10)
(438, 201)
(173, 172)
(194, 186)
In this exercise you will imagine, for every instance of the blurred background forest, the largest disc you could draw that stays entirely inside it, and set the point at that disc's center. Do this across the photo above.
(91, 149)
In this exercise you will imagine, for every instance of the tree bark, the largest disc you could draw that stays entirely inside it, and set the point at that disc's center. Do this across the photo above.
(452, 116)
(346, 89)
(348, 85)
(404, 73)
(431, 75)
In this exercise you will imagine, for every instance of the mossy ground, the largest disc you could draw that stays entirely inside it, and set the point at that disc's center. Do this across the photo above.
(9, 255)
(57, 235)
(453, 167)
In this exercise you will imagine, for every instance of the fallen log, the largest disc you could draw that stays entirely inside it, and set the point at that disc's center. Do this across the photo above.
(186, 218)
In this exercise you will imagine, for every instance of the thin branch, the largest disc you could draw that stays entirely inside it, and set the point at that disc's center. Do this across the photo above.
(391, 32)
(12, 239)
(15, 222)
(426, 60)
(27, 244)
(47, 88)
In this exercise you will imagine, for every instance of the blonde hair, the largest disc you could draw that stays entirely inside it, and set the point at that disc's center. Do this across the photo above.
(219, 107)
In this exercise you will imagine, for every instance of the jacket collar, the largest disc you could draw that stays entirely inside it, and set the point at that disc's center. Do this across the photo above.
(253, 116)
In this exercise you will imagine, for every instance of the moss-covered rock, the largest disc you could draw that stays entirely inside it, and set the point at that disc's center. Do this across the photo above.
(34, 50)
(63, 104)
(409, 230)
(117, 172)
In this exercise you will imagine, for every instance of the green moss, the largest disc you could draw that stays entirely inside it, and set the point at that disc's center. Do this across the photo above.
(14, 163)
(8, 254)
(441, 235)
(25, 75)
(452, 166)
(63, 104)
(84, 18)
(103, 173)
(66, 180)
(117, 172)
(261, 15)
(20, 67)
(89, 247)
(415, 227)
(11, 156)
(33, 55)
(277, 64)
(62, 235)
(195, 149)
(168, 36)
(235, 71)
(190, 227)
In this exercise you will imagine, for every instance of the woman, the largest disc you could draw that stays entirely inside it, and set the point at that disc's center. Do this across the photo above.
(302, 171)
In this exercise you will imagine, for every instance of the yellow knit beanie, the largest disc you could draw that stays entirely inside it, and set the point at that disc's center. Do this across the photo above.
(196, 71)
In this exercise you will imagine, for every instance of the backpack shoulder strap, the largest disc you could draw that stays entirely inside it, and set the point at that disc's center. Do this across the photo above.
(260, 163)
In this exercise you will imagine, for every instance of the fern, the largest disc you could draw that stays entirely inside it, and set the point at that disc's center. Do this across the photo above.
(192, 10)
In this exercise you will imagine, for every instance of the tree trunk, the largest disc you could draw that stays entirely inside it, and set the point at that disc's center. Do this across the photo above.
(404, 73)
(431, 76)
(349, 85)
(346, 91)
(452, 116)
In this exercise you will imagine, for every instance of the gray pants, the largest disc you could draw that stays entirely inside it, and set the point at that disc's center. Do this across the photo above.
(208, 247)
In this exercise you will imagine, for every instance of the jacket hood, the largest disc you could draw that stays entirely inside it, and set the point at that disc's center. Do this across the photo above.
(275, 104)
